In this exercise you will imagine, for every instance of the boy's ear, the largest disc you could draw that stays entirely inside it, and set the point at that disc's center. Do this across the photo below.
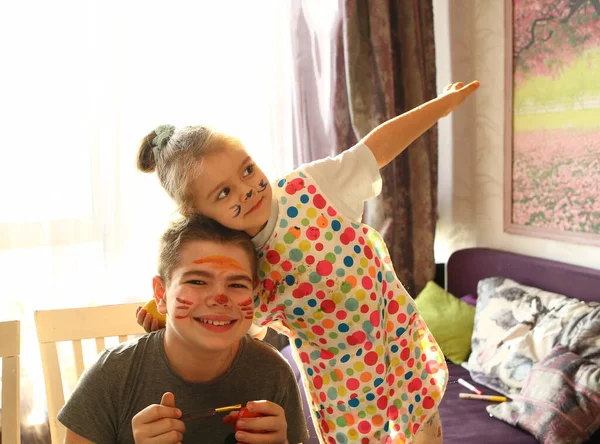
(160, 296)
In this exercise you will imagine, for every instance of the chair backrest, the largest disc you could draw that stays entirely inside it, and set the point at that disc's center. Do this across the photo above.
(10, 349)
(75, 325)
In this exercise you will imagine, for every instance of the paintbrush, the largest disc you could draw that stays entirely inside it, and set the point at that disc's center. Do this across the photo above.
(208, 412)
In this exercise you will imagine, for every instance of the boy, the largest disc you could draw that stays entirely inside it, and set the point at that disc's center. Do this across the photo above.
(202, 359)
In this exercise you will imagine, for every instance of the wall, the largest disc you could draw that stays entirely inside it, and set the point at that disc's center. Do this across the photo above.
(470, 45)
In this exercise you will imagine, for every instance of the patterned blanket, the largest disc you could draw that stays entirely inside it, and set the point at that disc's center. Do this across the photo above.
(517, 326)
(542, 350)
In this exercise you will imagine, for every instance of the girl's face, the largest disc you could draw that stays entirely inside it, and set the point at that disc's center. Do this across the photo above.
(232, 190)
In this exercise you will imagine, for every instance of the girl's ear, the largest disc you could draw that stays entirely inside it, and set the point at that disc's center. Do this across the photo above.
(160, 296)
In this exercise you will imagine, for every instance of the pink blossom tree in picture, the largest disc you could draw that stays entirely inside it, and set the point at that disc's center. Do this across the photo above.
(552, 173)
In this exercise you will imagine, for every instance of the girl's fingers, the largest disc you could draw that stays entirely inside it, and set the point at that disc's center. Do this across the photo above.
(472, 86)
(140, 314)
(148, 323)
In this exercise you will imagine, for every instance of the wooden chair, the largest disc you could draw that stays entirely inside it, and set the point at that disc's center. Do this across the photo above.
(10, 349)
(75, 325)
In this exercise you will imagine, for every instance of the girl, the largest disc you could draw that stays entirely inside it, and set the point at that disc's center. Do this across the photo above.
(371, 367)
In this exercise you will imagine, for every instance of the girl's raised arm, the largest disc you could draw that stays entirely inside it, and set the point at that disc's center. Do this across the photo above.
(391, 138)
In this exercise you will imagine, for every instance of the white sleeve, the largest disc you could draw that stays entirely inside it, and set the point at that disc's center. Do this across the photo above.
(348, 179)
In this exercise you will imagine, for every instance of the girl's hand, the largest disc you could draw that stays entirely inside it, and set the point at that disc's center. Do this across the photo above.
(457, 93)
(146, 320)
(261, 422)
(159, 423)
(393, 136)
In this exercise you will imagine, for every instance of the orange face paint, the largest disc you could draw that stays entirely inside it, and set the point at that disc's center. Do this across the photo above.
(223, 262)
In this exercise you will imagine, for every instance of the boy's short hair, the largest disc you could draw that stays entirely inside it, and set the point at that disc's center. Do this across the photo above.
(198, 228)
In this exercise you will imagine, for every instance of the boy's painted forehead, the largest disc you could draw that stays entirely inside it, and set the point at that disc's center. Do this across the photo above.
(218, 261)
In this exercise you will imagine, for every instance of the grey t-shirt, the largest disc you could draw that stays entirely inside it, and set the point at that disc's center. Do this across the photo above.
(135, 374)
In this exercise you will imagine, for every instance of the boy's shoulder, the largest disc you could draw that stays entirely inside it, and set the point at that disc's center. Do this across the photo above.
(133, 350)
(265, 353)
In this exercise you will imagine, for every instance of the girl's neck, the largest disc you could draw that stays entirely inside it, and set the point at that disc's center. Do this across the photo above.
(194, 364)
(254, 231)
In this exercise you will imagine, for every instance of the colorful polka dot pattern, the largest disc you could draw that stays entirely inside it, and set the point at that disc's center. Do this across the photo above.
(374, 371)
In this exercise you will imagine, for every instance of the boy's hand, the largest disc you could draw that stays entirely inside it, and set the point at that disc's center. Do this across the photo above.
(146, 320)
(269, 428)
(457, 93)
(159, 423)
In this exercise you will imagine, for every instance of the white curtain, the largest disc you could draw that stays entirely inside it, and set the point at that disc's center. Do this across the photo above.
(81, 82)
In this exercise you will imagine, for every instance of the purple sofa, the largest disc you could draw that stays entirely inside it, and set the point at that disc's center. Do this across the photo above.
(468, 421)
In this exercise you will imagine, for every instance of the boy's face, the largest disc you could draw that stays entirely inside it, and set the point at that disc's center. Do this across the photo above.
(232, 190)
(209, 299)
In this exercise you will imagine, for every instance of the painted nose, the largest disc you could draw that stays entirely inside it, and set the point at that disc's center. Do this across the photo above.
(248, 194)
(222, 299)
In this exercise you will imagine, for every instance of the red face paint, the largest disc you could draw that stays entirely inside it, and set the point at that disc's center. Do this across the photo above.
(186, 306)
(221, 299)
(221, 262)
(247, 309)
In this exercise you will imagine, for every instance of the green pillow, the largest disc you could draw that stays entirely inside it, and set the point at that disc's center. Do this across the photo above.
(449, 319)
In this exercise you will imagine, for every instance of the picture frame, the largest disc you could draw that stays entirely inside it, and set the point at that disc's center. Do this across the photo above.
(551, 189)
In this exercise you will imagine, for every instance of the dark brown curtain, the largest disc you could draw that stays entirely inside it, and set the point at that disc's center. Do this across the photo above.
(383, 64)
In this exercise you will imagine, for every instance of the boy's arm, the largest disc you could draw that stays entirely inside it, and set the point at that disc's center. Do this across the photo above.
(391, 138)
(91, 413)
(73, 438)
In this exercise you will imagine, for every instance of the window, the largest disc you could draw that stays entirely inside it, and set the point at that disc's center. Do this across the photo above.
(83, 81)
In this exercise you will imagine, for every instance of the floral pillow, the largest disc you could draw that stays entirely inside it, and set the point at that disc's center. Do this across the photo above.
(515, 327)
(560, 401)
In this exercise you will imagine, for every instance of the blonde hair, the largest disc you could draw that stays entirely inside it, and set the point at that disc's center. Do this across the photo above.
(177, 159)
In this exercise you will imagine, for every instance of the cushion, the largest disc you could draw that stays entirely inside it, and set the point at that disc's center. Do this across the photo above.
(449, 319)
(517, 326)
(560, 401)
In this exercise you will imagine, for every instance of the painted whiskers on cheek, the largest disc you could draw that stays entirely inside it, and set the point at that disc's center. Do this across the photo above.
(185, 307)
(236, 209)
(247, 308)
(263, 184)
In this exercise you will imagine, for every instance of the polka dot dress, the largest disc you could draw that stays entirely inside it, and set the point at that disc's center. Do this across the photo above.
(373, 371)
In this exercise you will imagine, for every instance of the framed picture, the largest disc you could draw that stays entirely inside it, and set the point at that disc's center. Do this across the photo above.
(552, 122)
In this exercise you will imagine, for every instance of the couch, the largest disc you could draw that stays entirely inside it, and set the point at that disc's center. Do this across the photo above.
(468, 421)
